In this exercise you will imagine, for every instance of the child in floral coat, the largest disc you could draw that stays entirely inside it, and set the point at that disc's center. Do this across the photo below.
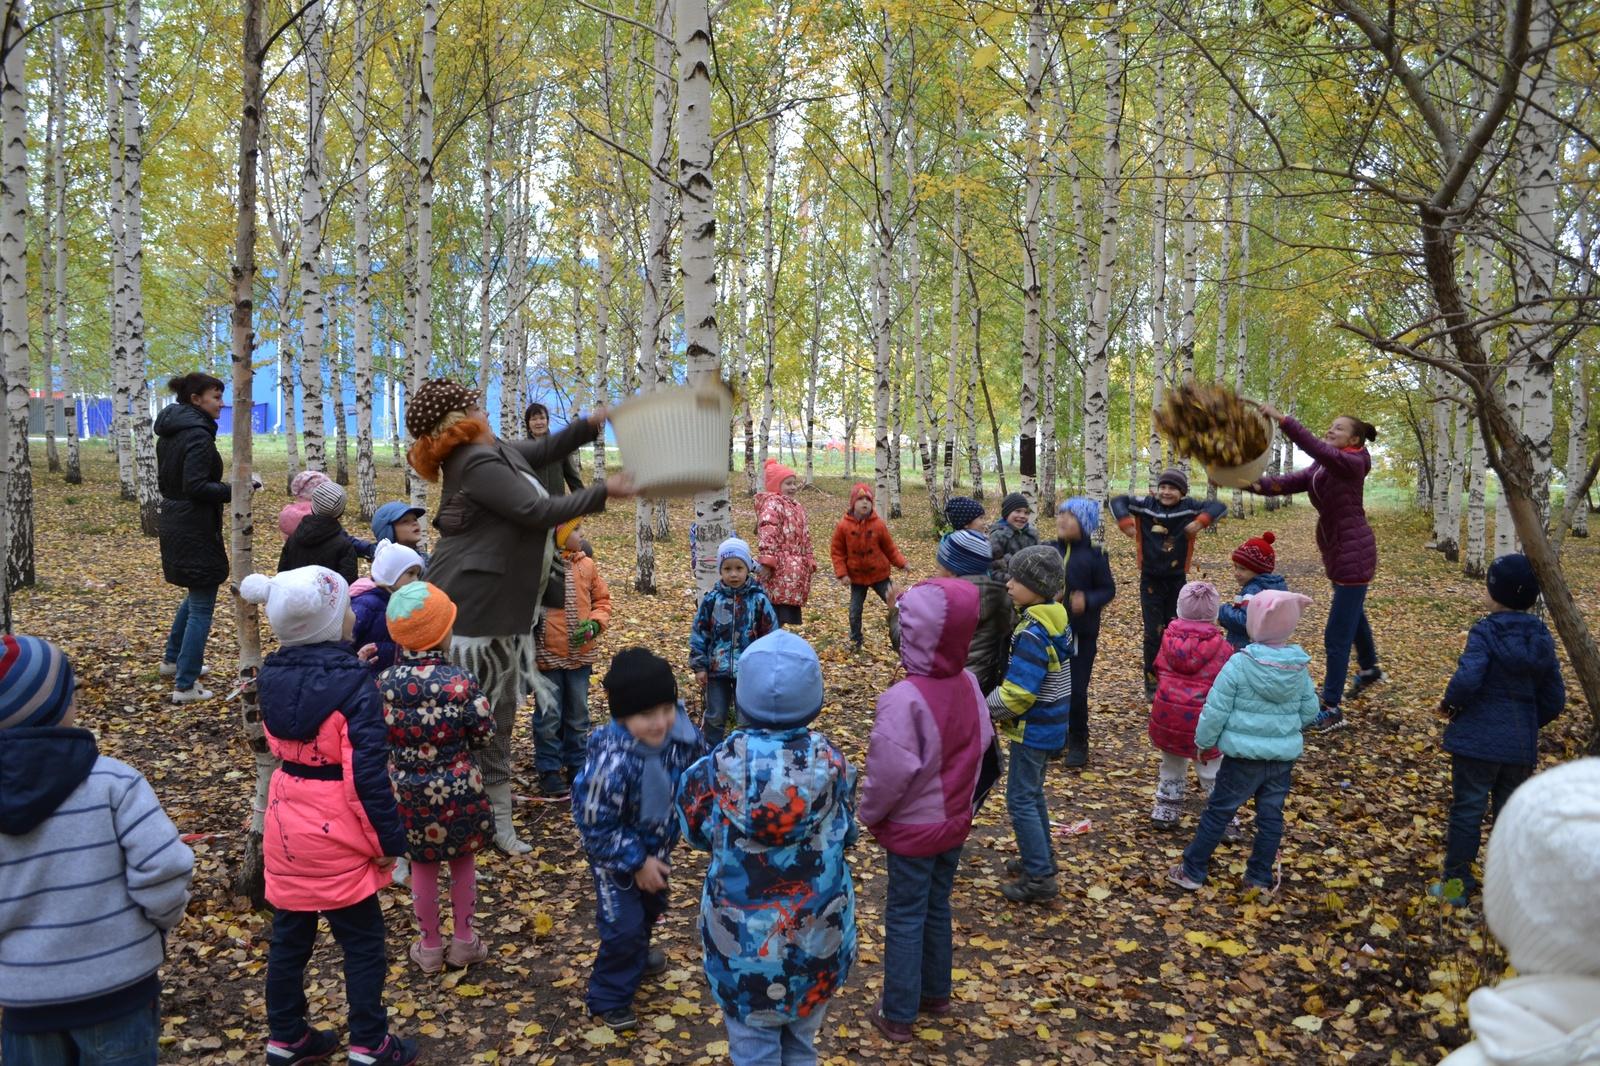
(1193, 651)
(436, 715)
(783, 543)
(775, 807)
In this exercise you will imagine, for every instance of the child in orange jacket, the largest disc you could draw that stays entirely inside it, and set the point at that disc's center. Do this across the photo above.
(863, 551)
(568, 646)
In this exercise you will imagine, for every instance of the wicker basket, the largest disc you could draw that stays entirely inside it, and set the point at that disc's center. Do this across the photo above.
(674, 441)
(1242, 476)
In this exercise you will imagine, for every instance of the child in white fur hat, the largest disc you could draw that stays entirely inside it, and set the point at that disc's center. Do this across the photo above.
(1540, 901)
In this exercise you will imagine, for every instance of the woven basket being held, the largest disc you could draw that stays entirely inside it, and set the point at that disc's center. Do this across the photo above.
(674, 441)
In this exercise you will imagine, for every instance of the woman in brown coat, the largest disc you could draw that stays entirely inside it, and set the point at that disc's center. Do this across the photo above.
(495, 521)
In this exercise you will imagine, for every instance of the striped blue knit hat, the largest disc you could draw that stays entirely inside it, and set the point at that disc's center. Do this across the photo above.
(965, 552)
(36, 683)
(1085, 510)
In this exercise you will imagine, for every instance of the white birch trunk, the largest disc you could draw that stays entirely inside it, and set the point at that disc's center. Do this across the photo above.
(957, 270)
(312, 309)
(970, 412)
(1158, 257)
(58, 209)
(1097, 377)
(1241, 336)
(1049, 443)
(422, 340)
(1191, 233)
(139, 424)
(1578, 443)
(814, 361)
(713, 516)
(601, 394)
(653, 310)
(47, 205)
(486, 252)
(922, 378)
(366, 465)
(14, 300)
(882, 281)
(754, 460)
(122, 383)
(1474, 561)
(769, 290)
(1032, 291)
(280, 234)
(341, 436)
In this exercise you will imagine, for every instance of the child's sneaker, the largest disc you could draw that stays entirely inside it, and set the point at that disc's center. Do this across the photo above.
(655, 962)
(1031, 890)
(318, 1045)
(392, 1052)
(193, 694)
(464, 953)
(428, 960)
(619, 1018)
(171, 670)
(1327, 720)
(1364, 680)
(1178, 876)
(1234, 832)
(894, 1032)
(553, 785)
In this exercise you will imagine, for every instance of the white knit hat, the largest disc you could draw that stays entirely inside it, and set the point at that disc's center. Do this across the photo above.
(328, 499)
(391, 560)
(306, 605)
(1539, 882)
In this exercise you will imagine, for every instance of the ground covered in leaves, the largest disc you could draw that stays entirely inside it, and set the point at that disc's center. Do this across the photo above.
(1354, 963)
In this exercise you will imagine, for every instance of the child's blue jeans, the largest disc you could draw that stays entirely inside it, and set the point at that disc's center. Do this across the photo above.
(561, 729)
(794, 1044)
(917, 939)
(1030, 814)
(359, 930)
(1239, 780)
(1477, 787)
(126, 1041)
(719, 708)
(625, 917)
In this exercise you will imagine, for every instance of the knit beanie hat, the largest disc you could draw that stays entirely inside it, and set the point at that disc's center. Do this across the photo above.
(962, 511)
(861, 491)
(433, 401)
(328, 499)
(965, 552)
(776, 474)
(638, 680)
(390, 560)
(1174, 476)
(36, 683)
(1198, 601)
(1014, 502)
(1039, 568)
(564, 530)
(1272, 615)
(780, 682)
(1085, 510)
(306, 480)
(1544, 862)
(1511, 582)
(306, 605)
(420, 615)
(734, 548)
(1256, 554)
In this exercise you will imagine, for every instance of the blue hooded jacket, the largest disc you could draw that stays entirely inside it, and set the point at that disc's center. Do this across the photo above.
(1507, 686)
(1232, 615)
(619, 823)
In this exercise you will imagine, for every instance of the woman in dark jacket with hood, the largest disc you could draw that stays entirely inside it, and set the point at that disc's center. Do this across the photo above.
(1335, 480)
(193, 495)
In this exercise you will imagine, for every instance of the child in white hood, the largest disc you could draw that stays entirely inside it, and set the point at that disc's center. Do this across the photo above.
(1540, 901)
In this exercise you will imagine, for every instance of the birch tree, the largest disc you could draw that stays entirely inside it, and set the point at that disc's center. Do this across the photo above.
(953, 361)
(58, 243)
(312, 224)
(713, 516)
(282, 238)
(1096, 376)
(121, 380)
(883, 276)
(139, 425)
(14, 295)
(1033, 158)
(653, 309)
(52, 296)
(1158, 253)
(422, 338)
(1578, 445)
(366, 466)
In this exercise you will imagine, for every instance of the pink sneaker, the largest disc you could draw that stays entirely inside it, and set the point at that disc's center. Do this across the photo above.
(429, 960)
(465, 953)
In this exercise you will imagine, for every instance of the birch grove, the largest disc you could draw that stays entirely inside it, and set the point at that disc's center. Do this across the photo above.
(14, 299)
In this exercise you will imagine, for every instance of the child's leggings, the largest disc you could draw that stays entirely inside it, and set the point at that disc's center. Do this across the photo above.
(1172, 783)
(463, 897)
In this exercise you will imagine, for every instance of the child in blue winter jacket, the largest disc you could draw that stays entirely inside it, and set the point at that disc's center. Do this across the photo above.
(1254, 563)
(622, 803)
(393, 566)
(1258, 707)
(1507, 686)
(733, 615)
(775, 806)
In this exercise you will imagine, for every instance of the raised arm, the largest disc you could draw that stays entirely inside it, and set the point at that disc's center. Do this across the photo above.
(556, 446)
(501, 488)
(1345, 463)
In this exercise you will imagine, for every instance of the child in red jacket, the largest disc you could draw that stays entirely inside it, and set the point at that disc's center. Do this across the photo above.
(863, 551)
(1193, 651)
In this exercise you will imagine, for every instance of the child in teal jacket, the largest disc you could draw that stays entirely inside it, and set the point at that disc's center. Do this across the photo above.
(1259, 704)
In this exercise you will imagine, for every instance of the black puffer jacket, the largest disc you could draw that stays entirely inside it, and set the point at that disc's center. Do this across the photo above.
(193, 495)
(319, 540)
(990, 652)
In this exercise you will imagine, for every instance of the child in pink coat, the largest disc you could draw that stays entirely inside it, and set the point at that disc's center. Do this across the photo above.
(1193, 651)
(783, 543)
(332, 830)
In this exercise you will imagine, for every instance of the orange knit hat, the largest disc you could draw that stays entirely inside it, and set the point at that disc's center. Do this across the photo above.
(564, 530)
(420, 616)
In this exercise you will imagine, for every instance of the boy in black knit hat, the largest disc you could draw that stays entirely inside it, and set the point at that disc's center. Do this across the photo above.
(1012, 533)
(1163, 528)
(622, 801)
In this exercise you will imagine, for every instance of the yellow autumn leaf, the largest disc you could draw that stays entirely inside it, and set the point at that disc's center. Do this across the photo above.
(933, 1036)
(984, 56)
(1199, 939)
(1170, 1041)
(1231, 948)
(717, 1049)
(1309, 1022)
(1125, 946)
(1098, 893)
(543, 923)
(469, 991)
(1043, 1030)
(600, 1036)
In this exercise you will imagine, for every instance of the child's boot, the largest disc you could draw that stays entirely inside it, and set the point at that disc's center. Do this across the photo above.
(464, 953)
(1031, 890)
(1168, 807)
(318, 1045)
(392, 1052)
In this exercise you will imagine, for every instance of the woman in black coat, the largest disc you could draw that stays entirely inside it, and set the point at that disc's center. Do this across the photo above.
(193, 496)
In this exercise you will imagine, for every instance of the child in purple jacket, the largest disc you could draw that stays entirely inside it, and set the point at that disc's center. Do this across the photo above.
(928, 744)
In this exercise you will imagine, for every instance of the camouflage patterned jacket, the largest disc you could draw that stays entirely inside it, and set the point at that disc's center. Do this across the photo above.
(777, 917)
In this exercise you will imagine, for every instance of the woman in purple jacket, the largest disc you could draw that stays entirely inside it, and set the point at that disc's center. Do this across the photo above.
(1349, 550)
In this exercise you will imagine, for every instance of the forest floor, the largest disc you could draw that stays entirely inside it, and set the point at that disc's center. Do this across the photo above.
(1354, 963)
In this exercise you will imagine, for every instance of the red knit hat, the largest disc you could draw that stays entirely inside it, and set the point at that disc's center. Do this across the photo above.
(1256, 554)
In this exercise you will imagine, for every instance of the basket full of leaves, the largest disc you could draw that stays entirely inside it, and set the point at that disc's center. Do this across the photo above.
(674, 441)
(1214, 425)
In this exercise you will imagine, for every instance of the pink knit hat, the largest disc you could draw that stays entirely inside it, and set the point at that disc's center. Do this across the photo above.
(1198, 601)
(1272, 615)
